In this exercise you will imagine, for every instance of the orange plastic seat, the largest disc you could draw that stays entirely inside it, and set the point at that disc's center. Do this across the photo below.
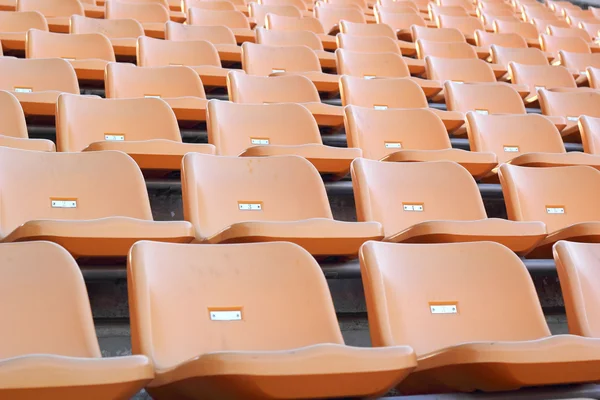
(146, 129)
(383, 94)
(151, 15)
(259, 59)
(14, 27)
(369, 32)
(589, 127)
(331, 17)
(37, 83)
(436, 34)
(94, 204)
(221, 37)
(234, 20)
(257, 130)
(538, 13)
(542, 24)
(562, 197)
(266, 199)
(122, 33)
(593, 75)
(88, 53)
(569, 32)
(389, 135)
(286, 361)
(570, 105)
(511, 40)
(243, 88)
(53, 352)
(224, 5)
(299, 4)
(573, 44)
(199, 55)
(432, 202)
(540, 77)
(591, 27)
(579, 62)
(57, 12)
(436, 11)
(175, 13)
(179, 86)
(525, 29)
(419, 295)
(466, 25)
(13, 129)
(528, 55)
(444, 49)
(401, 23)
(367, 44)
(282, 23)
(259, 11)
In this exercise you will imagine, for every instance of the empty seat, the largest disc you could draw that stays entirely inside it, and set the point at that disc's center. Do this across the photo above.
(466, 25)
(527, 55)
(88, 53)
(540, 77)
(146, 129)
(234, 20)
(299, 4)
(274, 129)
(282, 23)
(563, 198)
(436, 34)
(243, 88)
(286, 361)
(175, 13)
(372, 32)
(331, 17)
(538, 13)
(265, 199)
(571, 105)
(490, 341)
(436, 11)
(51, 350)
(152, 16)
(383, 94)
(573, 44)
(259, 11)
(94, 204)
(593, 75)
(57, 12)
(122, 33)
(225, 5)
(221, 37)
(569, 32)
(401, 23)
(512, 40)
(389, 135)
(310, 39)
(367, 44)
(13, 130)
(591, 27)
(542, 24)
(37, 83)
(440, 203)
(525, 29)
(14, 27)
(179, 86)
(259, 59)
(199, 55)
(445, 49)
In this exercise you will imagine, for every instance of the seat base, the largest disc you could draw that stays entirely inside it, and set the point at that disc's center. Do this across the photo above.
(415, 66)
(39, 103)
(325, 83)
(89, 70)
(327, 59)
(154, 29)
(329, 42)
(59, 24)
(229, 52)
(124, 47)
(188, 108)
(27, 144)
(326, 114)
(212, 75)
(244, 35)
(452, 120)
(585, 232)
(556, 159)
(13, 40)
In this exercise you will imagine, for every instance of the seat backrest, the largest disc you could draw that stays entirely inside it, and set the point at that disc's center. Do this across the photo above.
(512, 40)
(589, 127)
(12, 119)
(509, 136)
(282, 23)
(459, 69)
(406, 285)
(436, 34)
(259, 11)
(542, 24)
(45, 303)
(244, 88)
(525, 29)
(400, 20)
(300, 4)
(260, 59)
(591, 27)
(367, 44)
(83, 120)
(381, 93)
(141, 12)
(361, 4)
(272, 37)
(385, 191)
(216, 5)
(483, 98)
(445, 49)
(466, 25)
(367, 30)
(102, 184)
(541, 76)
(396, 7)
(128, 81)
(51, 8)
(538, 13)
(382, 132)
(436, 11)
(234, 127)
(42, 44)
(330, 17)
(569, 32)
(262, 281)
(578, 12)
(15, 21)
(371, 65)
(213, 34)
(553, 44)
(570, 104)
(230, 19)
(37, 75)
(535, 194)
(577, 268)
(529, 56)
(593, 77)
(162, 53)
(219, 191)
(111, 28)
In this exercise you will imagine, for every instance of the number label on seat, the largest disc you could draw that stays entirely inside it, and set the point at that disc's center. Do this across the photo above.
(369, 76)
(113, 137)
(555, 210)
(152, 96)
(225, 315)
(393, 145)
(63, 203)
(413, 207)
(23, 90)
(539, 87)
(380, 107)
(276, 70)
(443, 308)
(511, 149)
(249, 206)
(574, 119)
(259, 140)
(482, 112)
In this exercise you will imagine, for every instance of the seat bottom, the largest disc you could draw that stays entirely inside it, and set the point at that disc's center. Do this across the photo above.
(556, 159)
(452, 120)
(212, 75)
(27, 144)
(326, 114)
(13, 40)
(325, 83)
(89, 70)
(59, 24)
(229, 52)
(38, 103)
(585, 232)
(317, 371)
(188, 108)
(124, 46)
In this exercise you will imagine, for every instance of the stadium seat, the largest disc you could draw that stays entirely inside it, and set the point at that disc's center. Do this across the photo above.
(13, 130)
(146, 129)
(88, 53)
(221, 37)
(538, 13)
(542, 24)
(224, 5)
(389, 135)
(376, 30)
(589, 127)
(569, 32)
(570, 105)
(282, 23)
(260, 59)
(444, 49)
(266, 199)
(593, 75)
(94, 204)
(331, 17)
(436, 34)
(57, 12)
(257, 130)
(540, 77)
(401, 23)
(488, 18)
(199, 55)
(554, 44)
(528, 55)
(525, 29)
(51, 350)
(435, 11)
(591, 27)
(382, 93)
(175, 13)
(466, 25)
(299, 4)
(37, 83)
(152, 16)
(578, 62)
(468, 334)
(259, 11)
(122, 33)
(458, 69)
(367, 44)
(487, 39)
(440, 203)
(14, 27)
(217, 346)
(234, 20)
(179, 86)
(396, 7)
(579, 13)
